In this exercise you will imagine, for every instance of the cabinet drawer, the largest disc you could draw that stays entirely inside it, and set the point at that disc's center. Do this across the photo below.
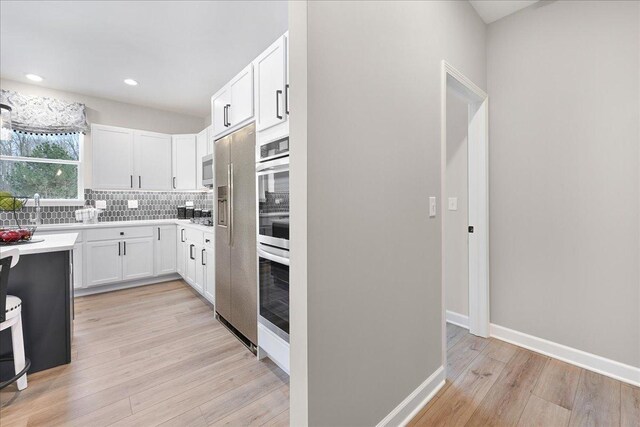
(193, 235)
(209, 240)
(118, 233)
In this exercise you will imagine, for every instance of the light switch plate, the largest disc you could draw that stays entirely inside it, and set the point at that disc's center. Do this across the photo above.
(101, 204)
(133, 204)
(453, 203)
(432, 207)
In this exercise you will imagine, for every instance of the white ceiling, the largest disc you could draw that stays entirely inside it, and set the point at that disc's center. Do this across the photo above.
(180, 52)
(492, 10)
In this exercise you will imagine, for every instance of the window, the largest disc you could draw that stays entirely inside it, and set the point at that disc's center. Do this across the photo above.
(50, 165)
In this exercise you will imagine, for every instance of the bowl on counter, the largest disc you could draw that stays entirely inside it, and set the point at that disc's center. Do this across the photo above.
(13, 234)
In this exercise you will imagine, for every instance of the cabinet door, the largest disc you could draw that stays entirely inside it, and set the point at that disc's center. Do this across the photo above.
(152, 161)
(112, 157)
(104, 262)
(219, 118)
(270, 81)
(137, 258)
(241, 88)
(210, 139)
(209, 274)
(201, 151)
(191, 264)
(184, 162)
(181, 252)
(201, 263)
(165, 249)
(77, 266)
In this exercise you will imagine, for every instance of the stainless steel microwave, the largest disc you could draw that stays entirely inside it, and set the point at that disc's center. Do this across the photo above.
(207, 171)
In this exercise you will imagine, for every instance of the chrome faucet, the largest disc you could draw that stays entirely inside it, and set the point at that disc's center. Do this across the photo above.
(36, 200)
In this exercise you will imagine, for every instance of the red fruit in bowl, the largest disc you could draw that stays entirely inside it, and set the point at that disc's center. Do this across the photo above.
(24, 234)
(10, 236)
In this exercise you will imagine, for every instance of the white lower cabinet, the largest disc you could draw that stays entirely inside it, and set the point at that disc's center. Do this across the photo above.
(192, 267)
(209, 274)
(165, 250)
(198, 260)
(137, 258)
(181, 251)
(104, 262)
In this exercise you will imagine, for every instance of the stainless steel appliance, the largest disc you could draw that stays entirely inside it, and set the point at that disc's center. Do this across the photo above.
(207, 171)
(273, 201)
(235, 216)
(274, 289)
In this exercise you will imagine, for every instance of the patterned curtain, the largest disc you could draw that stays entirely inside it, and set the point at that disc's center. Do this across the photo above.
(37, 114)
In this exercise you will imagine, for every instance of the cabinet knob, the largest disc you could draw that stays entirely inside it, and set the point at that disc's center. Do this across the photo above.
(122, 233)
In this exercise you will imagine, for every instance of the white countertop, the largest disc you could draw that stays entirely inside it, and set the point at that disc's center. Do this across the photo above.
(52, 243)
(112, 224)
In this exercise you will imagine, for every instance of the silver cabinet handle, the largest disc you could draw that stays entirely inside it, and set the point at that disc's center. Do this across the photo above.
(278, 93)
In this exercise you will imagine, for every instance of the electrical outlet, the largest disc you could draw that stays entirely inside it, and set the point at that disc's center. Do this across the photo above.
(453, 203)
(133, 204)
(189, 203)
(432, 207)
(101, 204)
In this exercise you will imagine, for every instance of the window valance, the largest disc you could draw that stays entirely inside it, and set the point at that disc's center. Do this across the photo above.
(37, 114)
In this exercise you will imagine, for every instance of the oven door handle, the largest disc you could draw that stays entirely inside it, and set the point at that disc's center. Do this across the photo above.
(272, 257)
(274, 165)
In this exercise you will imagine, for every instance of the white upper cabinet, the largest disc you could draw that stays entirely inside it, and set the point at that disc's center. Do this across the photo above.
(241, 87)
(152, 161)
(210, 139)
(220, 103)
(112, 157)
(232, 106)
(184, 162)
(271, 90)
(202, 150)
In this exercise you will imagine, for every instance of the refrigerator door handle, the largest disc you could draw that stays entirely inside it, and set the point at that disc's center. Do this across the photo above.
(231, 207)
(227, 203)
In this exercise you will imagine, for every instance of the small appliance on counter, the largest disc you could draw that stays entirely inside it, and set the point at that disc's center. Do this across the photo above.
(182, 212)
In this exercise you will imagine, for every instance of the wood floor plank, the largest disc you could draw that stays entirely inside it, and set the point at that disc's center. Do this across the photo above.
(630, 406)
(460, 400)
(103, 417)
(454, 334)
(597, 401)
(508, 397)
(259, 411)
(191, 418)
(499, 350)
(558, 383)
(463, 353)
(280, 420)
(541, 413)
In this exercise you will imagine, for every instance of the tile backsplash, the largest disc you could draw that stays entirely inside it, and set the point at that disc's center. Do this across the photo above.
(151, 205)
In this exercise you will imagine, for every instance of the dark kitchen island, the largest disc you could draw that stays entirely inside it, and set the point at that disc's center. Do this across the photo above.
(42, 279)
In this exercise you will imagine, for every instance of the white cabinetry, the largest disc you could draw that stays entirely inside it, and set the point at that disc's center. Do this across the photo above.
(232, 106)
(165, 250)
(270, 69)
(126, 159)
(184, 162)
(104, 262)
(208, 267)
(152, 161)
(181, 252)
(118, 254)
(197, 258)
(112, 157)
(191, 266)
(137, 258)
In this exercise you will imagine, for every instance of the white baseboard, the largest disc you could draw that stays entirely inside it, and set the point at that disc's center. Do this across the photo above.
(458, 319)
(81, 292)
(409, 407)
(610, 368)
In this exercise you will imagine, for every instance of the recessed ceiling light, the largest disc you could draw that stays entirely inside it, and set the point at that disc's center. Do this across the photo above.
(131, 82)
(34, 77)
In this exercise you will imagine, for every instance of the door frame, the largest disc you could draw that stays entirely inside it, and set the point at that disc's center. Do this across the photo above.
(478, 189)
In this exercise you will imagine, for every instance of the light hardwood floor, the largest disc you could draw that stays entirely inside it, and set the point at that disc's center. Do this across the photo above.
(156, 356)
(493, 383)
(150, 356)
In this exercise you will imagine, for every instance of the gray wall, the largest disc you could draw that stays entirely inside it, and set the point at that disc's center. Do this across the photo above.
(114, 113)
(564, 185)
(456, 235)
(373, 157)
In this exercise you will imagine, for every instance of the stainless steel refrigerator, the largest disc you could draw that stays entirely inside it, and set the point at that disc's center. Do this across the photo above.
(236, 258)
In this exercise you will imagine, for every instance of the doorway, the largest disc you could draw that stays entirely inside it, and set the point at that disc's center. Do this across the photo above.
(469, 202)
